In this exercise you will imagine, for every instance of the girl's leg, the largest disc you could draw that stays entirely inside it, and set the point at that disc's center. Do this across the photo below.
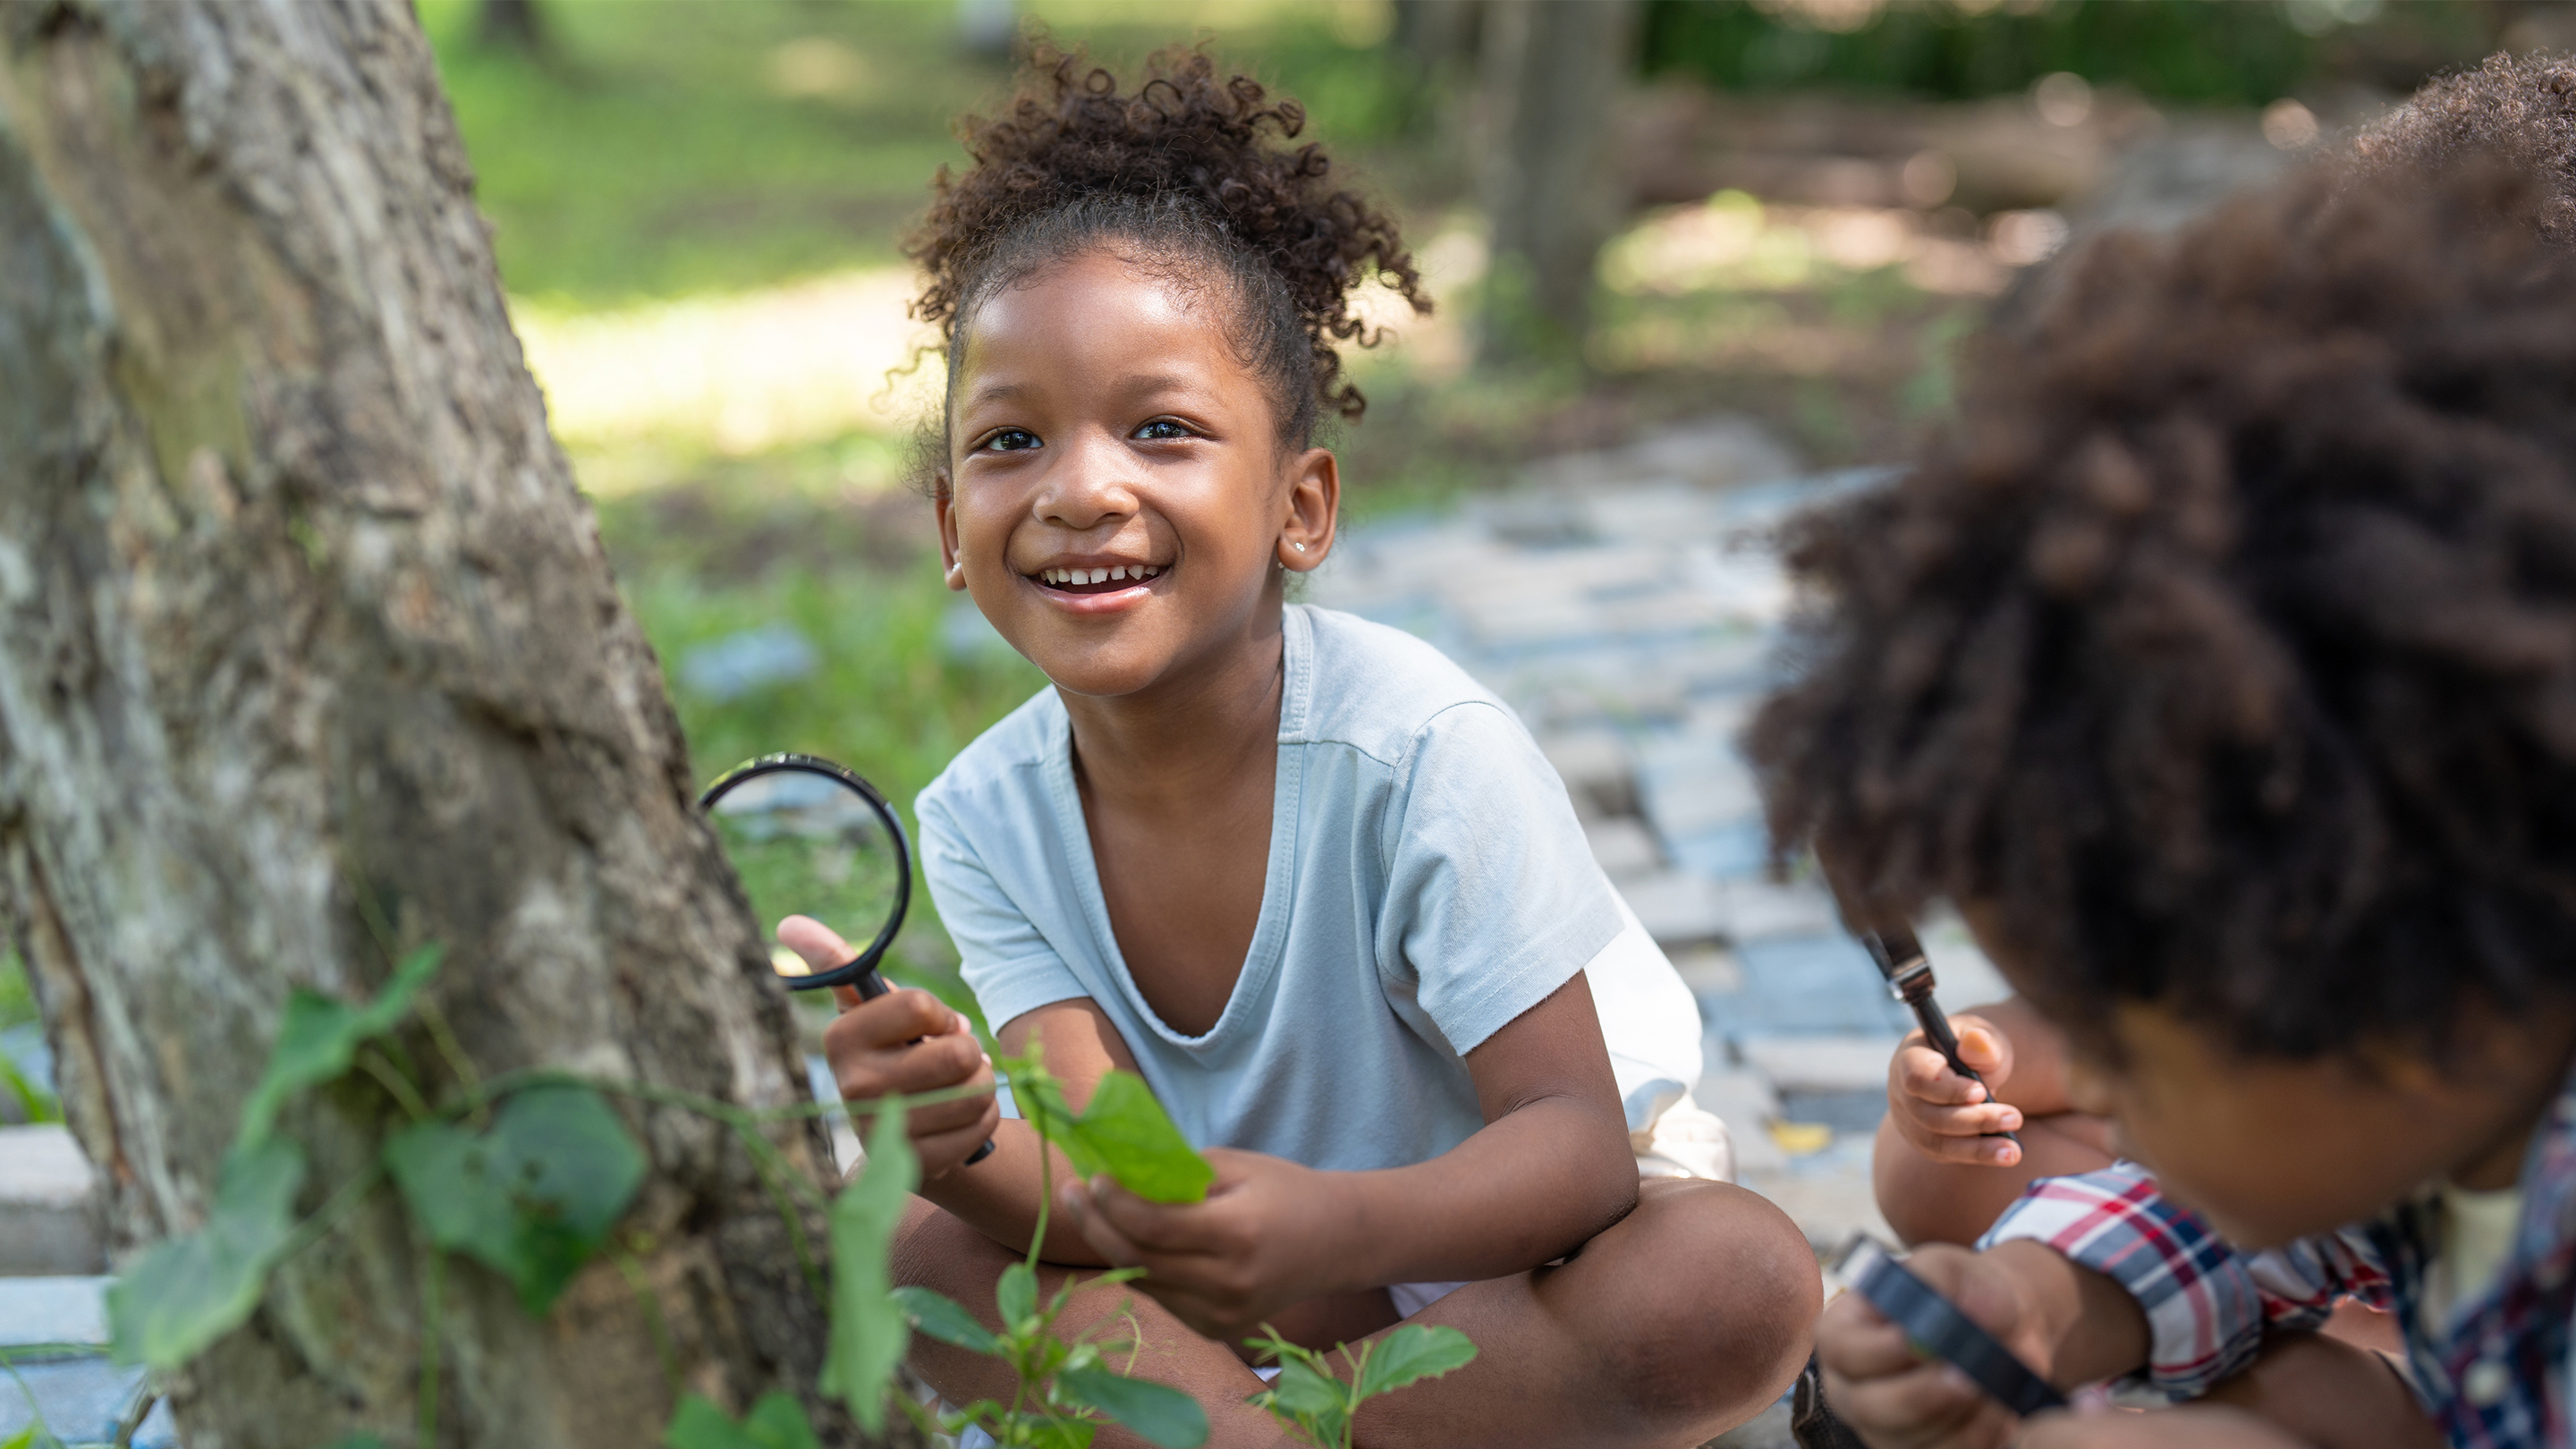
(937, 1251)
(1688, 1317)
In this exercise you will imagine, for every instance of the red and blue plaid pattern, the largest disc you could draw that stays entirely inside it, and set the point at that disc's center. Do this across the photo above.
(2495, 1375)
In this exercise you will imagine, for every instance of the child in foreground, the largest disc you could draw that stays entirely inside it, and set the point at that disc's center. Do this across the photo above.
(1942, 1174)
(2223, 671)
(1313, 883)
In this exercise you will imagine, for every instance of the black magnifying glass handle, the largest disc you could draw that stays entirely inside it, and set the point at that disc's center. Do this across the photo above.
(871, 984)
(1936, 1328)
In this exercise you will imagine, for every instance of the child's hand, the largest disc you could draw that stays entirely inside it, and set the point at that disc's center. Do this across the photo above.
(1260, 1243)
(2189, 1426)
(1944, 1115)
(1895, 1398)
(905, 1041)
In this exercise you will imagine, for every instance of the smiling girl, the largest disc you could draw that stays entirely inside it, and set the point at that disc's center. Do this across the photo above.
(1298, 870)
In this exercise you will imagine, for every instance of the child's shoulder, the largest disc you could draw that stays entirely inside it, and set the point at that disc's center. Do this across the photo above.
(1377, 688)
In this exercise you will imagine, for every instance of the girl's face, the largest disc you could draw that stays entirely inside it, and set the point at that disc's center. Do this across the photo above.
(1104, 420)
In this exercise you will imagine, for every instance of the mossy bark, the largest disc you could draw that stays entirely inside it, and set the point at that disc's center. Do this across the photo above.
(309, 653)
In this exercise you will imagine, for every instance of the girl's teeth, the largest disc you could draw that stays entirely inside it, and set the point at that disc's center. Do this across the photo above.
(1138, 572)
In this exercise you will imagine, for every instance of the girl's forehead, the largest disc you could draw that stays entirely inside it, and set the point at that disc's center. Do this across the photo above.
(1098, 309)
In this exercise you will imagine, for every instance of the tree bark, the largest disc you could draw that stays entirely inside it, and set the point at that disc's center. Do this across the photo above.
(307, 640)
(1552, 74)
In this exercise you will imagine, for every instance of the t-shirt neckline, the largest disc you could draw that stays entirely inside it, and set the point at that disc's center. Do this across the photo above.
(1270, 929)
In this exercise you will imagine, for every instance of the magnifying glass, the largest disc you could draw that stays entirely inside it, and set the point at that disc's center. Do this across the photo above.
(813, 838)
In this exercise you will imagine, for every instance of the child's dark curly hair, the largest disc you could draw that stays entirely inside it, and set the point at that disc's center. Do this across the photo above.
(2225, 655)
(1184, 169)
(2521, 107)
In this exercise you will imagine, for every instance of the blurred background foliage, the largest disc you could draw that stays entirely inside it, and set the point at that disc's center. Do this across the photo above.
(1788, 209)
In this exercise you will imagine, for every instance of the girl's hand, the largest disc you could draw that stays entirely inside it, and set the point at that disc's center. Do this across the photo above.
(1261, 1242)
(905, 1041)
(1897, 1399)
(1946, 1116)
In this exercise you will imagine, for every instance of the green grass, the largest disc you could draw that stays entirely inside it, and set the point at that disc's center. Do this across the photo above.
(669, 147)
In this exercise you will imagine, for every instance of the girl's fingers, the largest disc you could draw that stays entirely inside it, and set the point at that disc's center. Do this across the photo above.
(951, 1148)
(819, 945)
(1974, 1121)
(1161, 1227)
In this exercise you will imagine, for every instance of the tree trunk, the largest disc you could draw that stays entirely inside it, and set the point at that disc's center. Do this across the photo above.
(307, 642)
(1553, 71)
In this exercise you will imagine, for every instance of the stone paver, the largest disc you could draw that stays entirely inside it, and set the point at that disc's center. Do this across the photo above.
(60, 1376)
(49, 1210)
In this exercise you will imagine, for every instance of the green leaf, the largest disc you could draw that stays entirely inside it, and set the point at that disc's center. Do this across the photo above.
(947, 1320)
(532, 1199)
(321, 1036)
(1138, 1145)
(868, 1324)
(20, 1440)
(1124, 1133)
(1301, 1389)
(1413, 1352)
(1060, 1434)
(776, 1422)
(1159, 1415)
(360, 1439)
(189, 1291)
(1016, 1296)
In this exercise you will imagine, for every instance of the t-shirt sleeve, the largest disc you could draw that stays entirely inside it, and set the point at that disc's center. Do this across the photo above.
(1493, 898)
(1006, 960)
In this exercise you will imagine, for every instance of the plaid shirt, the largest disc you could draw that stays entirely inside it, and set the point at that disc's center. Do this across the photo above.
(2495, 1375)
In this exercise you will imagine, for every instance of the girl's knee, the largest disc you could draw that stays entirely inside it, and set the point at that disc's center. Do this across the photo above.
(1720, 1291)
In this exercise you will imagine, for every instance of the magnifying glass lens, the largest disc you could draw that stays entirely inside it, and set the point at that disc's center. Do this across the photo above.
(808, 844)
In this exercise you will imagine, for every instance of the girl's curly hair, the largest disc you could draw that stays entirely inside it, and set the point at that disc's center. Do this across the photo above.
(2225, 654)
(1192, 170)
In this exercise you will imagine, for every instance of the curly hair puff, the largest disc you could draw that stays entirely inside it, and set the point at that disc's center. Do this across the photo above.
(2224, 657)
(2522, 107)
(1184, 168)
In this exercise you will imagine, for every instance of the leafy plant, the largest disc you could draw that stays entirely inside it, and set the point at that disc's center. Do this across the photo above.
(1317, 1407)
(534, 1197)
(1065, 1387)
(193, 1289)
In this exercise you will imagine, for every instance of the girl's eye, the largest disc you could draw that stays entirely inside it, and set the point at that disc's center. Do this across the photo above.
(1162, 430)
(1011, 440)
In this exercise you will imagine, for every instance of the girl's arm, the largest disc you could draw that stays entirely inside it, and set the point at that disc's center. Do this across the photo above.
(1549, 1171)
(999, 1196)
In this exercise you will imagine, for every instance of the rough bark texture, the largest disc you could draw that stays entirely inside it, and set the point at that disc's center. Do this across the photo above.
(1552, 71)
(301, 618)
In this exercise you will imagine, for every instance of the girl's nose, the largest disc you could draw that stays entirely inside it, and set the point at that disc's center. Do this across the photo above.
(1090, 484)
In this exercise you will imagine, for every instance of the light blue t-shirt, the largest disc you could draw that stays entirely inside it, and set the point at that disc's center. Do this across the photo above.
(1427, 883)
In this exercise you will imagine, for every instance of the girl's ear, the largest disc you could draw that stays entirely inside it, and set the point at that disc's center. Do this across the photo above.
(1314, 510)
(944, 501)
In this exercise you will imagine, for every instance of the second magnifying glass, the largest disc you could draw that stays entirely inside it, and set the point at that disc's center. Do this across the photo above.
(813, 838)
